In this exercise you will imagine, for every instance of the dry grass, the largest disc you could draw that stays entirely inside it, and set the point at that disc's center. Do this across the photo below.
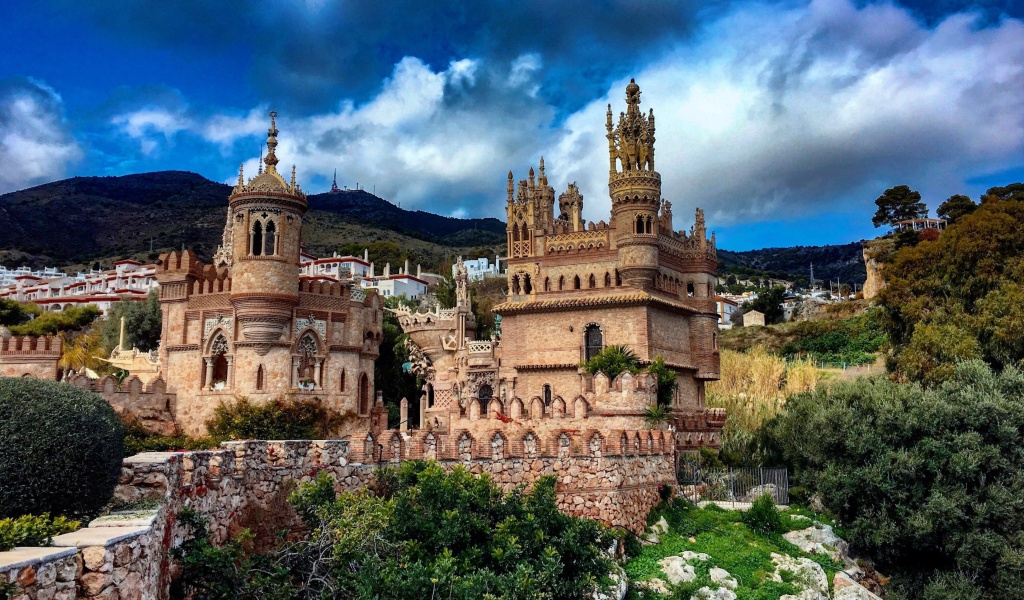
(755, 384)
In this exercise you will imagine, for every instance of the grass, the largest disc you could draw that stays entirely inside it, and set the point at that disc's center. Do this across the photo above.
(731, 545)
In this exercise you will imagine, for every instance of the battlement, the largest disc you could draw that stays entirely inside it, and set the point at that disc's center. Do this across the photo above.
(321, 287)
(151, 404)
(31, 345)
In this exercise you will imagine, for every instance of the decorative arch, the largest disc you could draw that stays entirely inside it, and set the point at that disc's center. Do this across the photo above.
(592, 281)
(561, 282)
(547, 284)
(270, 238)
(364, 395)
(218, 360)
(256, 242)
(593, 340)
(484, 395)
(607, 279)
(575, 282)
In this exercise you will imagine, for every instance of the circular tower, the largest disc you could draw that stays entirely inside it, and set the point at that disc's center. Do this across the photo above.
(635, 190)
(266, 225)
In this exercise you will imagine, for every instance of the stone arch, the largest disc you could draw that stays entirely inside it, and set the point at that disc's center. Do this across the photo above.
(536, 408)
(591, 281)
(564, 445)
(218, 359)
(515, 408)
(558, 408)
(561, 282)
(579, 408)
(575, 282)
(270, 238)
(497, 446)
(607, 279)
(465, 447)
(593, 340)
(547, 284)
(531, 446)
(484, 395)
(430, 446)
(596, 445)
(256, 239)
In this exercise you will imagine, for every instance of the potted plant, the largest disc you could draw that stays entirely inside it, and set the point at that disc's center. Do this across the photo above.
(307, 385)
(218, 385)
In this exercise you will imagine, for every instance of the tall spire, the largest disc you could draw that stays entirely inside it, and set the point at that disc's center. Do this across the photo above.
(241, 175)
(271, 159)
(260, 170)
(293, 176)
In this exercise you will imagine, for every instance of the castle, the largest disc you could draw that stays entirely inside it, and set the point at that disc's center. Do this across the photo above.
(250, 325)
(575, 288)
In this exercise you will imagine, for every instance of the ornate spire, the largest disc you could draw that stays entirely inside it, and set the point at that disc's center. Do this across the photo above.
(241, 175)
(271, 159)
(631, 143)
(510, 187)
(293, 177)
(260, 170)
(543, 177)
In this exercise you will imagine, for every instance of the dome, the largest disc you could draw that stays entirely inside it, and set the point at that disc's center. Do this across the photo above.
(268, 182)
(632, 88)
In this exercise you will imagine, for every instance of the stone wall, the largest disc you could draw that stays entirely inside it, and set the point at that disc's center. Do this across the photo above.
(27, 356)
(609, 476)
(151, 404)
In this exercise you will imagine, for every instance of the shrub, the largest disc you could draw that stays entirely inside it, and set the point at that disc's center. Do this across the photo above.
(917, 475)
(435, 534)
(138, 439)
(60, 449)
(304, 419)
(31, 530)
(613, 361)
(763, 517)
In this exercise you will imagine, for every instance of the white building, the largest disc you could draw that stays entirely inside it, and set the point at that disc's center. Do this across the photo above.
(128, 280)
(338, 268)
(726, 307)
(479, 268)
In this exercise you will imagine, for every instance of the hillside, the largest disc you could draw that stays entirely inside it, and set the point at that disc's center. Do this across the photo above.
(843, 262)
(84, 219)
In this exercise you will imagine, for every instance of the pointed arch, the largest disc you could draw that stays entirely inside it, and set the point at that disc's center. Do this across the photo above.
(639, 223)
(592, 281)
(256, 246)
(527, 285)
(547, 284)
(561, 282)
(260, 379)
(364, 395)
(341, 380)
(270, 238)
(575, 282)
(607, 279)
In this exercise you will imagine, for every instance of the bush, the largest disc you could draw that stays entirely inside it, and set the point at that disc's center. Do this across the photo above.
(763, 517)
(305, 419)
(923, 480)
(138, 439)
(433, 533)
(60, 449)
(31, 530)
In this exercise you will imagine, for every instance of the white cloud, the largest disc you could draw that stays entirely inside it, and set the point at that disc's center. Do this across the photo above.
(775, 115)
(147, 123)
(35, 143)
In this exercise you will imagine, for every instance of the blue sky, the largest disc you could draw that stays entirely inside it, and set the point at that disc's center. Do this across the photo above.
(783, 120)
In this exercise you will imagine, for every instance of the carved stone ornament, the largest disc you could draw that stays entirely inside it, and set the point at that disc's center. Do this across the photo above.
(478, 379)
(318, 325)
(223, 322)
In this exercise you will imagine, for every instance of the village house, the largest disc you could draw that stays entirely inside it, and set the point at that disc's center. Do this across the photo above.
(54, 291)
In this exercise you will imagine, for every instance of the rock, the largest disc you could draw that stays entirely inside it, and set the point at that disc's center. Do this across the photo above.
(688, 556)
(808, 576)
(706, 593)
(661, 526)
(723, 578)
(848, 589)
(820, 539)
(760, 490)
(676, 569)
(27, 577)
(654, 584)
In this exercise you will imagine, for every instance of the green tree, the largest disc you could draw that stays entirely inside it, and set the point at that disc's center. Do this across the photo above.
(389, 375)
(49, 323)
(955, 207)
(1014, 191)
(142, 324)
(445, 292)
(14, 313)
(898, 204)
(768, 302)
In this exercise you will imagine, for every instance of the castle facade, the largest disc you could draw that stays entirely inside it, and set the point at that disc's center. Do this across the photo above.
(250, 325)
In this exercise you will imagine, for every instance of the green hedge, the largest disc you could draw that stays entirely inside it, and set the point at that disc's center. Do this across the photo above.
(31, 530)
(60, 449)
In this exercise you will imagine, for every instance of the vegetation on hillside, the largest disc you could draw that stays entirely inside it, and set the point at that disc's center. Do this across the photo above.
(924, 480)
(958, 297)
(418, 532)
(142, 324)
(842, 262)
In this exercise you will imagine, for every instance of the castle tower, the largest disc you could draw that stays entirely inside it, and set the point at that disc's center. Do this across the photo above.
(266, 221)
(570, 207)
(635, 190)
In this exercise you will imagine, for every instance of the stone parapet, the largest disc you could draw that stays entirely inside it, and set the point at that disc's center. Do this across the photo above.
(611, 476)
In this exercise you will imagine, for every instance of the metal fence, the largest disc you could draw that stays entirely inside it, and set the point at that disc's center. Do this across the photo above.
(698, 483)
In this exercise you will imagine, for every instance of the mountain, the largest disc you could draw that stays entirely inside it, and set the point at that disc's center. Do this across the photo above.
(843, 262)
(83, 220)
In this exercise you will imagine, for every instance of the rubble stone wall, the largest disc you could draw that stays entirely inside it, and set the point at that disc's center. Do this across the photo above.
(609, 476)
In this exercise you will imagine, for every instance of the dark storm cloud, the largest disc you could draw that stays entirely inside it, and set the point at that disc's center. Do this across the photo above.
(307, 54)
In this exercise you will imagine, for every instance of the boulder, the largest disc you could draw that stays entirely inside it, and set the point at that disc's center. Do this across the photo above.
(820, 539)
(706, 593)
(677, 570)
(808, 576)
(848, 589)
(723, 578)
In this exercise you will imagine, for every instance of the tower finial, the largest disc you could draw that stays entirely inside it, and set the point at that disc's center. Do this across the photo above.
(510, 186)
(241, 175)
(293, 177)
(271, 160)
(260, 170)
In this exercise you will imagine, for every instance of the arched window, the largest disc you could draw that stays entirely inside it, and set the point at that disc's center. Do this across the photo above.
(515, 233)
(364, 395)
(593, 340)
(270, 239)
(593, 281)
(689, 289)
(259, 379)
(484, 394)
(576, 282)
(430, 396)
(515, 284)
(607, 279)
(650, 228)
(525, 234)
(547, 395)
(639, 223)
(527, 286)
(618, 278)
(218, 354)
(561, 282)
(341, 381)
(547, 284)
(257, 239)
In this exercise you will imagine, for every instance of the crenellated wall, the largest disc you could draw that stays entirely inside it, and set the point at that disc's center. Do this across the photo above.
(151, 404)
(28, 356)
(609, 476)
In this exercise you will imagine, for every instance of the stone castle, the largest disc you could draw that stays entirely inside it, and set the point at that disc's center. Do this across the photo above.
(249, 325)
(573, 289)
(517, 406)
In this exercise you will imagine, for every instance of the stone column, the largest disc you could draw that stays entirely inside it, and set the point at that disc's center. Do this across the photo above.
(403, 415)
(320, 373)
(423, 411)
(230, 382)
(295, 372)
(209, 372)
